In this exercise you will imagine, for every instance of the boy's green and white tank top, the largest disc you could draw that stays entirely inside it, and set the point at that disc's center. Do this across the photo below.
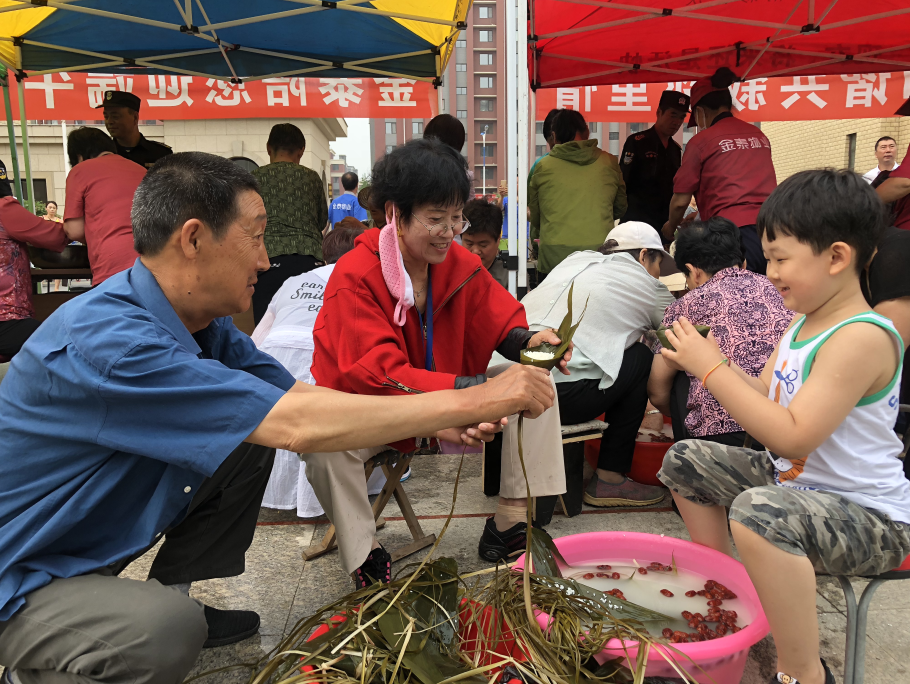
(860, 458)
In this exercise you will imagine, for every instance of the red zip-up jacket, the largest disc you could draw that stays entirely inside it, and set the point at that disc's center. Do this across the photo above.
(359, 349)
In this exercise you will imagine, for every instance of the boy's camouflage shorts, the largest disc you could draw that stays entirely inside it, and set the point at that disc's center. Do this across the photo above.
(839, 537)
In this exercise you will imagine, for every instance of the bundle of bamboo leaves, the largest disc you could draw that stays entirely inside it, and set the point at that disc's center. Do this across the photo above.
(433, 626)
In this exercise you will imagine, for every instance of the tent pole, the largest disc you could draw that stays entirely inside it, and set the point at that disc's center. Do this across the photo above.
(11, 132)
(522, 84)
(512, 138)
(23, 123)
(66, 158)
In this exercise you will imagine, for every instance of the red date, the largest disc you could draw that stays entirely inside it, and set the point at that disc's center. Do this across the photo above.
(690, 594)
(642, 571)
(715, 602)
(615, 575)
(667, 632)
(667, 593)
(588, 575)
(604, 567)
(687, 615)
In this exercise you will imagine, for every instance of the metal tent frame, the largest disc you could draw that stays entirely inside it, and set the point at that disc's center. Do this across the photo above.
(799, 24)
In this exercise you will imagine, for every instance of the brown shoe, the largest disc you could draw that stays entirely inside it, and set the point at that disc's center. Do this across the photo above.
(626, 493)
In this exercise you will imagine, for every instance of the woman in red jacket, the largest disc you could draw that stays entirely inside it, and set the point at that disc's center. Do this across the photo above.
(409, 311)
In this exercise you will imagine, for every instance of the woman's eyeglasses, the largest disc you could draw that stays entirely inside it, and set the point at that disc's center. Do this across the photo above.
(440, 229)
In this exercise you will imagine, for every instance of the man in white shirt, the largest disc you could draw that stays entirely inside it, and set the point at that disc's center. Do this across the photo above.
(885, 149)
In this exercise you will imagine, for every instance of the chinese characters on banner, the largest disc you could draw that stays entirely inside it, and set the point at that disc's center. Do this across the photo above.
(73, 97)
(793, 98)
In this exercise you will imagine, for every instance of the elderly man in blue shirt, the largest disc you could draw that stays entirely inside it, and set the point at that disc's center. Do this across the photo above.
(138, 411)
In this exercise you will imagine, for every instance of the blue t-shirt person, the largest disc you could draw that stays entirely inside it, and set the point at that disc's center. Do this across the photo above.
(111, 417)
(346, 205)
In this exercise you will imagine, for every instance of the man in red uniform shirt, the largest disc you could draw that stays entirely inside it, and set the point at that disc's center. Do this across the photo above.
(17, 227)
(896, 190)
(727, 166)
(99, 197)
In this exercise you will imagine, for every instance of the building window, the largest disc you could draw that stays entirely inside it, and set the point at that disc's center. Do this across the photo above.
(40, 189)
(391, 127)
(461, 113)
(389, 148)
(484, 12)
(487, 105)
(851, 151)
(614, 135)
(486, 81)
(594, 126)
(486, 59)
(488, 151)
(461, 43)
(541, 150)
(636, 127)
(484, 36)
(417, 128)
(461, 67)
(461, 91)
(539, 127)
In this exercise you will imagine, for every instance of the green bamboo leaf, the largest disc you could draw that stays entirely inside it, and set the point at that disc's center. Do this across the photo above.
(565, 333)
(545, 554)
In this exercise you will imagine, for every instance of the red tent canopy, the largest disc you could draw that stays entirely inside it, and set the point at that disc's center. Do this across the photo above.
(589, 42)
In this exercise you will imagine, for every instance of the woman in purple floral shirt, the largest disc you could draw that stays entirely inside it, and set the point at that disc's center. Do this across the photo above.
(746, 314)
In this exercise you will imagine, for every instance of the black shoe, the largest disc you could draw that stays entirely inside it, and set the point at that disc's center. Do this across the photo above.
(229, 626)
(496, 546)
(781, 678)
(376, 568)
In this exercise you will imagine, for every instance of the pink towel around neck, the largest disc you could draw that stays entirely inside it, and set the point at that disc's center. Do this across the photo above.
(393, 272)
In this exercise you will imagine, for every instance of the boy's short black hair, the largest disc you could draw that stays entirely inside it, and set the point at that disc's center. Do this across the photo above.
(711, 245)
(485, 218)
(422, 171)
(286, 137)
(825, 206)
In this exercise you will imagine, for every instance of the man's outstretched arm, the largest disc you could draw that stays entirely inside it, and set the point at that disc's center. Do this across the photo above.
(311, 420)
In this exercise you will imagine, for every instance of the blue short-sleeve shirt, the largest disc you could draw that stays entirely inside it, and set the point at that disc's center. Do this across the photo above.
(346, 205)
(111, 416)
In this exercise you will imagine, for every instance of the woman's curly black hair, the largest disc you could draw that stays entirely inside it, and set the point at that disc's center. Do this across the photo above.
(422, 171)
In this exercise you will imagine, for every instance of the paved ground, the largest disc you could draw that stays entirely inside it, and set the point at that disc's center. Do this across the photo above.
(284, 589)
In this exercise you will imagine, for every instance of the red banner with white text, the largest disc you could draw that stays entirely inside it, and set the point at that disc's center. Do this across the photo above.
(796, 98)
(73, 96)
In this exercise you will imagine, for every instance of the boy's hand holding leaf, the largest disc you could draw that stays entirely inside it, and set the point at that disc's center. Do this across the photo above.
(694, 353)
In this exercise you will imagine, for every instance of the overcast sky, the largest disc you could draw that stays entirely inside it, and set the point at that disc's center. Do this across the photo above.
(356, 147)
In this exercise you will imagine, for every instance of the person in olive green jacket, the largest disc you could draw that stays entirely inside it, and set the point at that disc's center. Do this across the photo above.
(574, 195)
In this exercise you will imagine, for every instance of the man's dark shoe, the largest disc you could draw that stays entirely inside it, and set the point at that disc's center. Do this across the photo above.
(229, 626)
(781, 678)
(626, 493)
(496, 546)
(376, 568)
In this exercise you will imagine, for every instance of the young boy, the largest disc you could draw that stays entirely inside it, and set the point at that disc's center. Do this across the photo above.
(829, 494)
(482, 237)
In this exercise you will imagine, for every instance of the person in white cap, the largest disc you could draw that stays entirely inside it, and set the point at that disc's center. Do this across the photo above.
(609, 366)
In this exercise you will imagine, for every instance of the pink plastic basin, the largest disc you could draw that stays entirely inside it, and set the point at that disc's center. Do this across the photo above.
(720, 661)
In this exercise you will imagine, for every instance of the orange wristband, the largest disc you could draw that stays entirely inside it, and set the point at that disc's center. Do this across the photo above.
(719, 364)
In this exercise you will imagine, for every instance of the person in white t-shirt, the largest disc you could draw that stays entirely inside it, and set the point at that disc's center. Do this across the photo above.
(286, 333)
(885, 149)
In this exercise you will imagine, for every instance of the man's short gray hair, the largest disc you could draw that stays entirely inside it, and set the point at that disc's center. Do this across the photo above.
(185, 186)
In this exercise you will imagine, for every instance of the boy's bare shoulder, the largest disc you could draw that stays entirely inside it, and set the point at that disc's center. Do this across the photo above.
(864, 342)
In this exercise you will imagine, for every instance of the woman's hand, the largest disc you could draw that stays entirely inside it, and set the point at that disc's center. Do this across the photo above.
(549, 336)
(472, 435)
(694, 353)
